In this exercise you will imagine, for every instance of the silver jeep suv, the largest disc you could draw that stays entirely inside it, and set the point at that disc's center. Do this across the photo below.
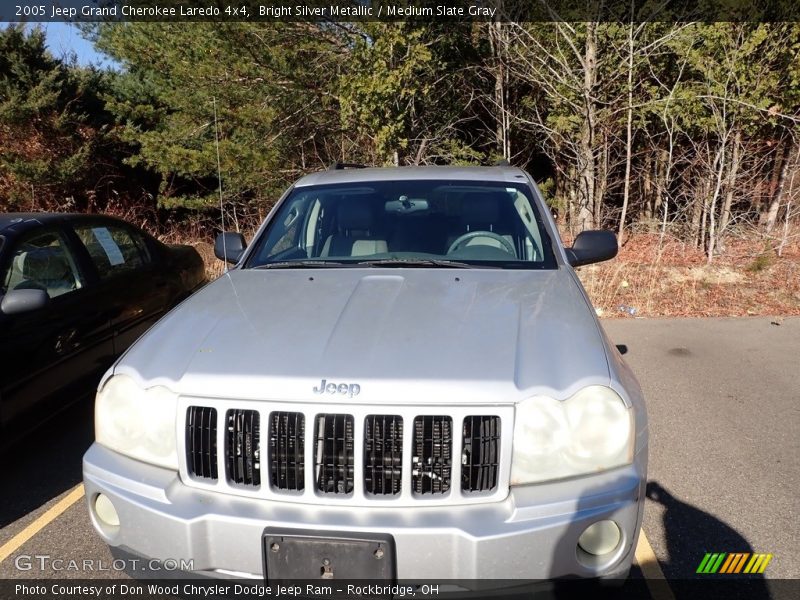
(401, 378)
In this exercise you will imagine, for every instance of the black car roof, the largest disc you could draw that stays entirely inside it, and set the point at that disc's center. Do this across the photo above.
(23, 221)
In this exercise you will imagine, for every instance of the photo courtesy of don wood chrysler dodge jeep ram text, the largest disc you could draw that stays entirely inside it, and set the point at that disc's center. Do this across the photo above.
(401, 378)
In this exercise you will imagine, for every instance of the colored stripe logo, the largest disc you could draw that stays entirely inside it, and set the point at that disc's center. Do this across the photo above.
(733, 562)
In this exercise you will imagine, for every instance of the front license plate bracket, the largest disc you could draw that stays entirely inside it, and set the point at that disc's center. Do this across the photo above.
(303, 554)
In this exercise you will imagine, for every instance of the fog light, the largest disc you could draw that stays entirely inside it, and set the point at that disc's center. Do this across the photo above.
(600, 538)
(105, 511)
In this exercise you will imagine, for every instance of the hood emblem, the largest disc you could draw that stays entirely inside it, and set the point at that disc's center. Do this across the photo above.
(345, 389)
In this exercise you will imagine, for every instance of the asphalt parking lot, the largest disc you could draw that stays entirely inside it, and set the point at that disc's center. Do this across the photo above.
(723, 397)
(724, 404)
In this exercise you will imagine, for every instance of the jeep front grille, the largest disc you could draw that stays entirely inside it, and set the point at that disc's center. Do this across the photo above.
(383, 454)
(287, 450)
(242, 441)
(333, 451)
(201, 441)
(410, 455)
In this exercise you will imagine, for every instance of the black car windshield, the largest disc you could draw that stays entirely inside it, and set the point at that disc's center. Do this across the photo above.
(419, 223)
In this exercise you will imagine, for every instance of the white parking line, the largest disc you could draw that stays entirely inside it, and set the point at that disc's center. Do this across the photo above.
(648, 563)
(50, 515)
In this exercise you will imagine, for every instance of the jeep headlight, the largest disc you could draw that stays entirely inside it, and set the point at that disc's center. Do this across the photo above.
(137, 422)
(590, 432)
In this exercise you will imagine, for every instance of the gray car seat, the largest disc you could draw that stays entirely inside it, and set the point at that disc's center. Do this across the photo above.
(355, 231)
(484, 212)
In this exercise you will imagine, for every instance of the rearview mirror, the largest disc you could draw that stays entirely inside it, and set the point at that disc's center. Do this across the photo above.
(22, 301)
(592, 247)
(229, 246)
(406, 206)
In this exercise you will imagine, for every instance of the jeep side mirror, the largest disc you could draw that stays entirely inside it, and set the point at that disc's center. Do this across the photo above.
(22, 301)
(591, 247)
(229, 246)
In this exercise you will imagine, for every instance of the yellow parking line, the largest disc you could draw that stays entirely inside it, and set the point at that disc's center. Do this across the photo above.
(43, 521)
(648, 563)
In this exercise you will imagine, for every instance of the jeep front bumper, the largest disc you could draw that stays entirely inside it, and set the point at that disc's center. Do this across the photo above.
(532, 534)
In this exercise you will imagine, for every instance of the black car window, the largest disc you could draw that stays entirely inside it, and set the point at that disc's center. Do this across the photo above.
(42, 261)
(113, 249)
(141, 244)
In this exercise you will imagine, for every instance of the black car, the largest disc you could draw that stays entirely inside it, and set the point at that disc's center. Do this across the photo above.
(75, 292)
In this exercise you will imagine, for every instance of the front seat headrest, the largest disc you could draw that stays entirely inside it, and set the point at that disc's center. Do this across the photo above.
(44, 264)
(355, 214)
(481, 208)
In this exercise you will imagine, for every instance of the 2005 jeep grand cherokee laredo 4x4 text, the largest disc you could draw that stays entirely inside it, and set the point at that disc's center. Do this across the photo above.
(401, 378)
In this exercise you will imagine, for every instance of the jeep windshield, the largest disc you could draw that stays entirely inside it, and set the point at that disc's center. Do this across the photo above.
(412, 224)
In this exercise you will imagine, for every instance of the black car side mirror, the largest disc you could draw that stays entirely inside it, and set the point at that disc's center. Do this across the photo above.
(22, 301)
(229, 246)
(591, 247)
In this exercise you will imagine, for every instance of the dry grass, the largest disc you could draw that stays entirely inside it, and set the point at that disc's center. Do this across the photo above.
(214, 266)
(674, 280)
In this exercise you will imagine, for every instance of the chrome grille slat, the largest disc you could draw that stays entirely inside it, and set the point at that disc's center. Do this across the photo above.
(333, 453)
(287, 450)
(201, 441)
(242, 447)
(480, 454)
(433, 447)
(383, 454)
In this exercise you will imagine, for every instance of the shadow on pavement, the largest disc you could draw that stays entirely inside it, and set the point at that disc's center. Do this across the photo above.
(46, 462)
(690, 533)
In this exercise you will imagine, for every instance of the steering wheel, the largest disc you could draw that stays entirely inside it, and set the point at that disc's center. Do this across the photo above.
(462, 240)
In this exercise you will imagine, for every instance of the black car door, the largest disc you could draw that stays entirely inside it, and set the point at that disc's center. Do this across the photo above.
(129, 275)
(56, 354)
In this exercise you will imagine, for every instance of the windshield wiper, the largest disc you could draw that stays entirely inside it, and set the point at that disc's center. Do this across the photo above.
(300, 264)
(421, 262)
(383, 262)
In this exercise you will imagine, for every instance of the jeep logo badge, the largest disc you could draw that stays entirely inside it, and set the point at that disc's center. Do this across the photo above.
(345, 389)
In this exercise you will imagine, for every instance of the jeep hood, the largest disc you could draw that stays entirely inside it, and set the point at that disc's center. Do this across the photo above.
(405, 336)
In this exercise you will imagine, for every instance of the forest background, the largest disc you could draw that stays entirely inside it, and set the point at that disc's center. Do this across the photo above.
(684, 138)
